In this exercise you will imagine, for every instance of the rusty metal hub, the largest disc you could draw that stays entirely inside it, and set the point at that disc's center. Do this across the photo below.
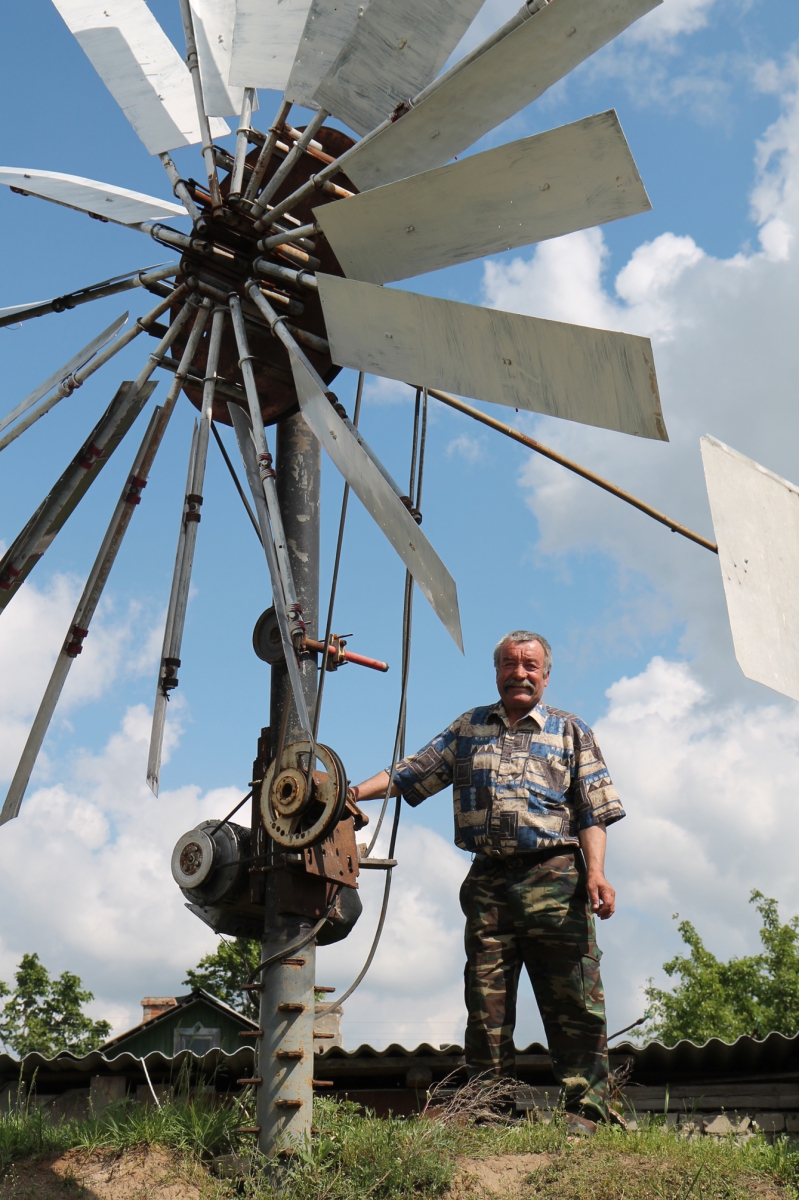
(223, 256)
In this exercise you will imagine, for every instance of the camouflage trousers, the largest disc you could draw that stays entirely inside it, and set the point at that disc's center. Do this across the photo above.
(524, 911)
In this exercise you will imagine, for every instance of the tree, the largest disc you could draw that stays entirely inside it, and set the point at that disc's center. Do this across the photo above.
(225, 972)
(46, 1014)
(756, 994)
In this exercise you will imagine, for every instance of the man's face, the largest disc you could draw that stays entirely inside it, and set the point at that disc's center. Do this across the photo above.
(520, 678)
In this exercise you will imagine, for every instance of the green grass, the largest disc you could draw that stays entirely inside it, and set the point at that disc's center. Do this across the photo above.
(351, 1157)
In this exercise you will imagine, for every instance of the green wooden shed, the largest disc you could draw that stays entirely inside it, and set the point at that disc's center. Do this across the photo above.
(198, 1022)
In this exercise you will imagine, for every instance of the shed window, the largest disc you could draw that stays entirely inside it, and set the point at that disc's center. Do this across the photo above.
(199, 1039)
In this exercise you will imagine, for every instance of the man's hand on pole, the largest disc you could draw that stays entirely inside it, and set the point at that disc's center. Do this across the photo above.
(601, 895)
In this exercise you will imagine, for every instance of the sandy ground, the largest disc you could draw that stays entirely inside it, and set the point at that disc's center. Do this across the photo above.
(150, 1173)
(500, 1175)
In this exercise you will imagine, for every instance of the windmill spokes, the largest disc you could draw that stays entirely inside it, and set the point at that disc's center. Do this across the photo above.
(146, 277)
(75, 363)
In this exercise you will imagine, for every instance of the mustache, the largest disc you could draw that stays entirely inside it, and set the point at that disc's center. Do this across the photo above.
(518, 683)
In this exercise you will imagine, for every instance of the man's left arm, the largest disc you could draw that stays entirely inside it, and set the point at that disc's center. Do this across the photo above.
(597, 805)
(601, 895)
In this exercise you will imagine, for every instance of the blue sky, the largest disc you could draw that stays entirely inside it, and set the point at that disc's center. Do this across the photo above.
(706, 91)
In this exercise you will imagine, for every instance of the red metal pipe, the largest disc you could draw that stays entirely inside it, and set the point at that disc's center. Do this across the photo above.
(347, 656)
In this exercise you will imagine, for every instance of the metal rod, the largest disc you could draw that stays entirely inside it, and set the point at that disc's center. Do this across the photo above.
(570, 465)
(181, 579)
(162, 691)
(98, 577)
(287, 608)
(290, 336)
(329, 172)
(267, 150)
(326, 647)
(300, 234)
(303, 279)
(97, 291)
(75, 380)
(242, 139)
(193, 63)
(235, 478)
(296, 152)
(179, 188)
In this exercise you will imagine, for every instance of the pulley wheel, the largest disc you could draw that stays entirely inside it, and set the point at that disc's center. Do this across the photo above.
(266, 640)
(295, 814)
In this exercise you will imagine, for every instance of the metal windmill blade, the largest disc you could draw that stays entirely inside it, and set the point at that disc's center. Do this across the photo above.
(101, 200)
(141, 69)
(396, 48)
(542, 187)
(756, 520)
(589, 375)
(541, 44)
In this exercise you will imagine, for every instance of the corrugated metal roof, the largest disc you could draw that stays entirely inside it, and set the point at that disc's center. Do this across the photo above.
(159, 1065)
(746, 1057)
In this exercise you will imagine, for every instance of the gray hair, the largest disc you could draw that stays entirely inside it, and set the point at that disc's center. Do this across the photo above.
(518, 638)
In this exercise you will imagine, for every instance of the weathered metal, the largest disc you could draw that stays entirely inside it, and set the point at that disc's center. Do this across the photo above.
(147, 277)
(594, 376)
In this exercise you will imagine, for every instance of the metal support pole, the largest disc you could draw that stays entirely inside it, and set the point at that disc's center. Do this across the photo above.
(284, 1098)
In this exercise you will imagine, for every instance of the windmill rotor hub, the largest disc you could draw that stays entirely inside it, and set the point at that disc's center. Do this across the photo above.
(298, 811)
(223, 254)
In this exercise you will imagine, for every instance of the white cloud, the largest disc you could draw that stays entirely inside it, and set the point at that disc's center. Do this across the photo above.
(709, 791)
(85, 870)
(669, 20)
(472, 449)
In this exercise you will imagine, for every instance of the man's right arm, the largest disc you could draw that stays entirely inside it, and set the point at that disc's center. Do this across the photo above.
(374, 788)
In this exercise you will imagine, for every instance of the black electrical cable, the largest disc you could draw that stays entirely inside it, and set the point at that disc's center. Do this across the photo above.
(399, 740)
(235, 479)
(300, 943)
(232, 813)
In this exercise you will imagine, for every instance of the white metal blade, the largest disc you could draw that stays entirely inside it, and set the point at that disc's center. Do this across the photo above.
(756, 519)
(490, 85)
(213, 31)
(88, 196)
(540, 187)
(161, 694)
(141, 68)
(33, 745)
(265, 41)
(396, 49)
(587, 375)
(77, 361)
(379, 500)
(328, 25)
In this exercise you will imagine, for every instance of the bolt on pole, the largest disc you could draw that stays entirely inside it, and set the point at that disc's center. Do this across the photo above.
(284, 1098)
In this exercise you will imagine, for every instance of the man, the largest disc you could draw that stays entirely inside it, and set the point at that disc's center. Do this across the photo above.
(532, 799)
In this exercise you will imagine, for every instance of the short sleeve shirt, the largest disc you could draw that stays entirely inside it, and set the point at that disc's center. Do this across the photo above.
(531, 787)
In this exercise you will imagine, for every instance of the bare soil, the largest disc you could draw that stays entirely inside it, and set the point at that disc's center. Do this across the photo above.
(500, 1175)
(149, 1173)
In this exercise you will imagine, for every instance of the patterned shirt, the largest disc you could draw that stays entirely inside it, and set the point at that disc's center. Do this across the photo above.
(527, 788)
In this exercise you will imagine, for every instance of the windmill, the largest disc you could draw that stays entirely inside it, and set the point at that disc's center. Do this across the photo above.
(279, 286)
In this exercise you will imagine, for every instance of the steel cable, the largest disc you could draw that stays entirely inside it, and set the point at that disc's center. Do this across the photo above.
(417, 459)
